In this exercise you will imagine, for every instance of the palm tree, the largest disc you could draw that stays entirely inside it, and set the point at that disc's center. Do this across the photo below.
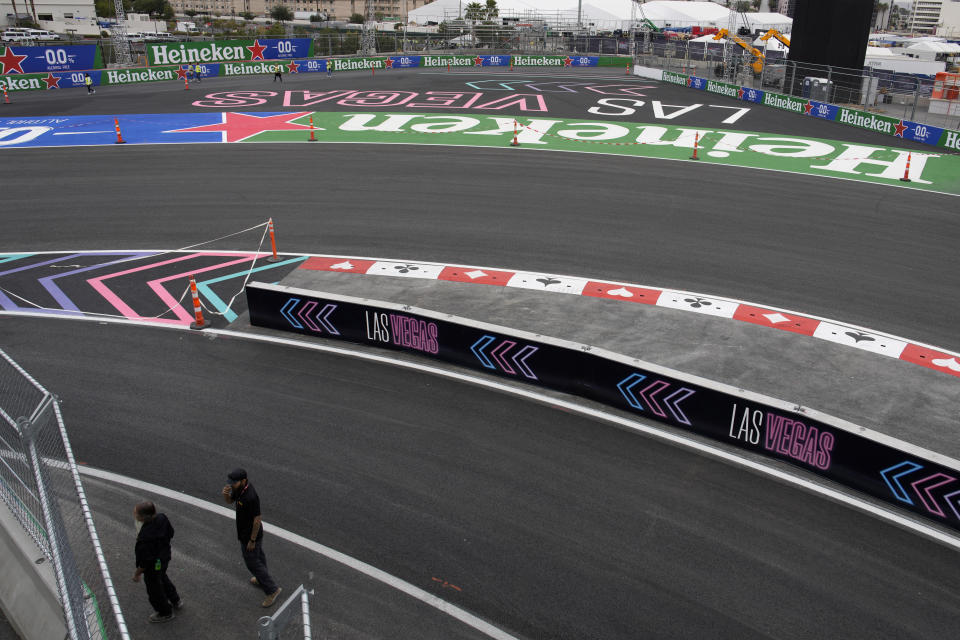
(881, 12)
(491, 10)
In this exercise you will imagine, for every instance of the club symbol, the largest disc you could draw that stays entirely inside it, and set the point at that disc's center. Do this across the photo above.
(698, 302)
(858, 336)
(547, 281)
(406, 268)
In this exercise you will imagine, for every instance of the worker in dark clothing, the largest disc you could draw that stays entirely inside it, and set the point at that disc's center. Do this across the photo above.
(152, 550)
(250, 532)
(278, 73)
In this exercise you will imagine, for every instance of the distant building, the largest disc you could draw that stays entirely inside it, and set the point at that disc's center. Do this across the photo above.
(924, 16)
(334, 9)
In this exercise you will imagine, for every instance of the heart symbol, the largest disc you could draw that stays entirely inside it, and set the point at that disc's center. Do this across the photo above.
(620, 292)
(342, 265)
(948, 363)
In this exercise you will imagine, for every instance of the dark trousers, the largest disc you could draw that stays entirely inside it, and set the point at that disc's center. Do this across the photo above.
(160, 590)
(256, 563)
(277, 76)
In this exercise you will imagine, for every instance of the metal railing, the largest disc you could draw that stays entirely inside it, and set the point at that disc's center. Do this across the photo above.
(289, 622)
(40, 484)
(897, 95)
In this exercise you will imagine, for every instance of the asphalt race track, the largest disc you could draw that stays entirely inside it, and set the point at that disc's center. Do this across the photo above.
(554, 526)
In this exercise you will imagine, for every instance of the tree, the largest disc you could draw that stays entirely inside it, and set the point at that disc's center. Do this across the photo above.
(755, 4)
(104, 8)
(742, 6)
(491, 10)
(247, 15)
(168, 13)
(281, 13)
(150, 7)
(773, 5)
(190, 13)
(357, 18)
(475, 12)
(881, 15)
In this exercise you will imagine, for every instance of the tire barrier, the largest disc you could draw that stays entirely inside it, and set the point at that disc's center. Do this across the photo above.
(921, 482)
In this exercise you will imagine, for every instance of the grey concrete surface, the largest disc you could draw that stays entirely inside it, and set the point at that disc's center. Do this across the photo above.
(900, 399)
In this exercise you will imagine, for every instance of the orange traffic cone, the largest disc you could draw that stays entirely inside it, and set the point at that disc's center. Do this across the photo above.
(696, 143)
(906, 172)
(116, 124)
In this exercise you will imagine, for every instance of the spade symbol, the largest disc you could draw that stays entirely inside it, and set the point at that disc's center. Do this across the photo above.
(547, 281)
(696, 303)
(858, 336)
(406, 268)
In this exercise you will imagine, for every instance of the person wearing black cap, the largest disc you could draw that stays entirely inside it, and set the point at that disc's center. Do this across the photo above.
(152, 552)
(250, 532)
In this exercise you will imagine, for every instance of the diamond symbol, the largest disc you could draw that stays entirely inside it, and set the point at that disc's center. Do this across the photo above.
(775, 318)
(342, 265)
(476, 273)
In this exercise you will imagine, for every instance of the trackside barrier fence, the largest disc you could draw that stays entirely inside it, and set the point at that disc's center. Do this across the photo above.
(291, 620)
(40, 485)
(901, 475)
(947, 139)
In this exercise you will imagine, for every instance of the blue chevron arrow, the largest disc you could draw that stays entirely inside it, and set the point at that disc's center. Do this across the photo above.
(481, 356)
(287, 308)
(904, 468)
(633, 379)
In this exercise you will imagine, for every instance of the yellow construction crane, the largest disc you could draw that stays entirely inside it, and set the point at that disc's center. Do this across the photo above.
(773, 33)
(757, 63)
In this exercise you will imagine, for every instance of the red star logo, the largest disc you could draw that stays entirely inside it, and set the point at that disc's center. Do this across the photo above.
(257, 50)
(568, 61)
(690, 81)
(53, 82)
(478, 61)
(293, 67)
(240, 126)
(808, 108)
(181, 73)
(388, 62)
(11, 61)
(900, 129)
(740, 93)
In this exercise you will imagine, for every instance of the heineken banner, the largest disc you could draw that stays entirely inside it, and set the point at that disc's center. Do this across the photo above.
(27, 60)
(815, 443)
(228, 51)
(924, 133)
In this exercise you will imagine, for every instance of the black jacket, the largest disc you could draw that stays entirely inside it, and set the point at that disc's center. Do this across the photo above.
(153, 542)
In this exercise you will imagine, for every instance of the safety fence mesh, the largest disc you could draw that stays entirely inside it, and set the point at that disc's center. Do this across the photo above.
(40, 485)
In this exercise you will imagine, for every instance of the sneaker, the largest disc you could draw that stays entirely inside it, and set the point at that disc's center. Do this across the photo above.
(269, 600)
(254, 581)
(156, 617)
(178, 604)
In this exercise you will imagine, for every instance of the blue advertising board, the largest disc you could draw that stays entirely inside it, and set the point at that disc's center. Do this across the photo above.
(46, 59)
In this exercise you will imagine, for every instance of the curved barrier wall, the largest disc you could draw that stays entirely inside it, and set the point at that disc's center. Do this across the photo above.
(904, 476)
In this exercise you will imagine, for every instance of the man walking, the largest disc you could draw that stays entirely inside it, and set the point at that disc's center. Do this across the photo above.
(152, 551)
(88, 82)
(278, 73)
(250, 532)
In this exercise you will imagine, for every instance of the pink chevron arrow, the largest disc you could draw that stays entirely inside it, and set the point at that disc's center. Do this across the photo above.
(520, 359)
(648, 396)
(304, 314)
(323, 317)
(949, 498)
(673, 405)
(925, 495)
(504, 347)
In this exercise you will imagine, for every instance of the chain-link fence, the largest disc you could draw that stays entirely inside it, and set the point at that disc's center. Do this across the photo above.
(897, 95)
(40, 485)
